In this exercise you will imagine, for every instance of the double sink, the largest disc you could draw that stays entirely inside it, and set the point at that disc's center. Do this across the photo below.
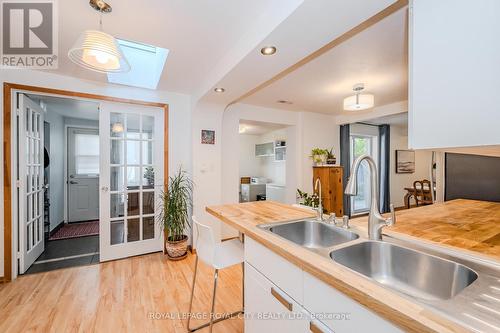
(465, 289)
(408, 271)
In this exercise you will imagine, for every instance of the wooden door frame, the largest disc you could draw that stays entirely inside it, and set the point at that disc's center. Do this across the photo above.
(7, 151)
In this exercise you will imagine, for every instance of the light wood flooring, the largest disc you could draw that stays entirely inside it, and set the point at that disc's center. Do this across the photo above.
(118, 296)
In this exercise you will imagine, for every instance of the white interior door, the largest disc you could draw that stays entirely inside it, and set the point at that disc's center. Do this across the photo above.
(83, 171)
(31, 182)
(131, 178)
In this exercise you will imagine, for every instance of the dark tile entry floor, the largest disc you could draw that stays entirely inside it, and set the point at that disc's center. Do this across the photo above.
(84, 250)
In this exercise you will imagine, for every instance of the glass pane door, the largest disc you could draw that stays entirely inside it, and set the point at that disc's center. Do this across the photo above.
(131, 179)
(31, 181)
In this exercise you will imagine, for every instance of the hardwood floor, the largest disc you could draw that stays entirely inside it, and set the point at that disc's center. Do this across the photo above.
(118, 296)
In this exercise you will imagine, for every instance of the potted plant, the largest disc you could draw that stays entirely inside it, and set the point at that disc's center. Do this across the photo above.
(330, 157)
(308, 200)
(176, 202)
(318, 156)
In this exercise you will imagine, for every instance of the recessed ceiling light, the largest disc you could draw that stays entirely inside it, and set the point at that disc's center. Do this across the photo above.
(282, 101)
(268, 50)
(219, 90)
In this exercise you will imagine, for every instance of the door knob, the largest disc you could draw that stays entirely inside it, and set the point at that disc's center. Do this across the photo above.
(73, 182)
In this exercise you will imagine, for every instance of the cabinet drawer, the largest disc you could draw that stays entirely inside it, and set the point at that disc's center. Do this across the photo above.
(269, 309)
(340, 313)
(277, 269)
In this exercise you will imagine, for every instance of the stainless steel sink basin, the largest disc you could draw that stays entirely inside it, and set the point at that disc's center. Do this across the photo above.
(408, 271)
(312, 234)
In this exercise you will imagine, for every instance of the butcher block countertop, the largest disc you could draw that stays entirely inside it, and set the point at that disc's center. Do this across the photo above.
(463, 225)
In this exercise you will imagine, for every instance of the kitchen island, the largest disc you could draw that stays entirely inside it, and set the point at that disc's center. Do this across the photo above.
(370, 304)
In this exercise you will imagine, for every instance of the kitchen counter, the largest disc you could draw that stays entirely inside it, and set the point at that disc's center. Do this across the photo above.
(425, 222)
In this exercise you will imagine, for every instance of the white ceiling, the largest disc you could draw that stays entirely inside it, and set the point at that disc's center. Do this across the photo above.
(68, 107)
(376, 57)
(251, 127)
(399, 120)
(198, 33)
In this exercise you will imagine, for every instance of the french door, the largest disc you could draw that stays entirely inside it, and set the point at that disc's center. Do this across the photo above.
(30, 181)
(131, 178)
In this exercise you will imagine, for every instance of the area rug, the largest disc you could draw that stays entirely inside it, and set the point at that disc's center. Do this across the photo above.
(73, 230)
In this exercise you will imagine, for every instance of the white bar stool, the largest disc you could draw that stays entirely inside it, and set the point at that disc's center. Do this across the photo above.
(219, 255)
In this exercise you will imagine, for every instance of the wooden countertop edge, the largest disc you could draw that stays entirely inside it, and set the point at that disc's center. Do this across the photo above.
(407, 315)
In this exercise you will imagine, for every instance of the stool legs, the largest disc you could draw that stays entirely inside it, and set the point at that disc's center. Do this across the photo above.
(192, 292)
(212, 309)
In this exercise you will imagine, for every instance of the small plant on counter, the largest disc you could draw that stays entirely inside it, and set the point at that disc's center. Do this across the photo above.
(330, 157)
(319, 156)
(306, 199)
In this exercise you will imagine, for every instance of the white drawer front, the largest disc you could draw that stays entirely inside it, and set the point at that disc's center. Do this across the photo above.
(277, 269)
(269, 309)
(322, 299)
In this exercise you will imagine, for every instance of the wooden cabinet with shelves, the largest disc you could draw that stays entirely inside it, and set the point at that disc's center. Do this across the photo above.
(332, 187)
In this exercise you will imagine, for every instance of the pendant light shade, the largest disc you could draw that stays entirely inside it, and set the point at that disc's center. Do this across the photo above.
(359, 101)
(100, 52)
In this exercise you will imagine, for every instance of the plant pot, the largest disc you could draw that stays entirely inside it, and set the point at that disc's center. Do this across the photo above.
(319, 160)
(176, 249)
(331, 161)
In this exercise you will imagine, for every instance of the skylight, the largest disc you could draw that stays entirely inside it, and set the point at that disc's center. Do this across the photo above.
(146, 63)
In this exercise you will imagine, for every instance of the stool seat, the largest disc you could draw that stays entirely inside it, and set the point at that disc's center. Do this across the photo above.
(228, 253)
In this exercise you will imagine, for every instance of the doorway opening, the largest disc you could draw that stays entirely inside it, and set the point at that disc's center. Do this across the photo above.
(133, 166)
(262, 161)
(69, 183)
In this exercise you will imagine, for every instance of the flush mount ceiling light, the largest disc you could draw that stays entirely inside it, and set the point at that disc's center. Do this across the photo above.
(219, 90)
(359, 101)
(268, 50)
(97, 50)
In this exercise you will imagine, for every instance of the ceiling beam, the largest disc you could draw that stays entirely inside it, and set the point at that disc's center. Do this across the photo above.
(337, 41)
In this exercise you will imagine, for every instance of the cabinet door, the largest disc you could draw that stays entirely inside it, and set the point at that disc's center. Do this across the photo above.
(454, 73)
(342, 314)
(269, 309)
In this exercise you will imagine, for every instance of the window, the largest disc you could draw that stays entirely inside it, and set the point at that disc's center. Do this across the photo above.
(146, 65)
(362, 145)
(87, 154)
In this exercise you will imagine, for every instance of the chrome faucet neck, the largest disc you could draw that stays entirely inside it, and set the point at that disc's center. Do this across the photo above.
(375, 220)
(317, 184)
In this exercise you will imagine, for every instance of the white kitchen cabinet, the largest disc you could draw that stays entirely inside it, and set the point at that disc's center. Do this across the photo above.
(277, 269)
(454, 73)
(276, 287)
(343, 315)
(268, 308)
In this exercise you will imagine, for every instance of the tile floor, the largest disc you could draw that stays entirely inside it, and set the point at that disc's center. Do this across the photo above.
(86, 248)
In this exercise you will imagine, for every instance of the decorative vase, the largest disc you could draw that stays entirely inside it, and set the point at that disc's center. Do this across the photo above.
(331, 161)
(319, 160)
(176, 249)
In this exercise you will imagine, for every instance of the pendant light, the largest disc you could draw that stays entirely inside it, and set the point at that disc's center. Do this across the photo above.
(97, 50)
(359, 101)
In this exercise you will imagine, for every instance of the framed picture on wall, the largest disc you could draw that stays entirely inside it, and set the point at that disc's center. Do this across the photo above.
(405, 161)
(208, 137)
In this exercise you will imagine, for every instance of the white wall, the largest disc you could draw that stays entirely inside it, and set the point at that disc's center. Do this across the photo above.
(250, 166)
(56, 183)
(317, 131)
(180, 145)
(398, 181)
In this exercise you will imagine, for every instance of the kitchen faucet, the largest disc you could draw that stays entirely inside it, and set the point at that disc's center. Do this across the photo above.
(375, 220)
(320, 206)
